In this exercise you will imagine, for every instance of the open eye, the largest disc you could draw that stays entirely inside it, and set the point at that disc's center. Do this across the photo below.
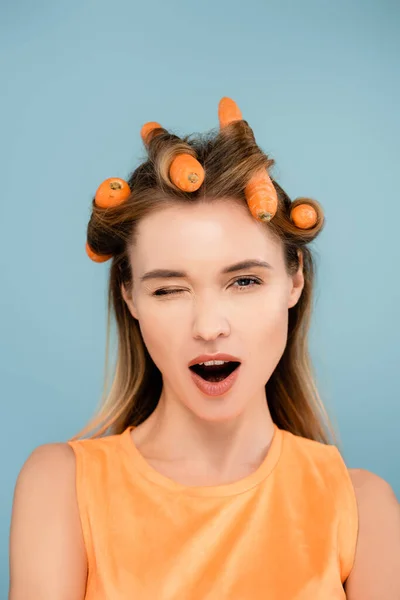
(251, 279)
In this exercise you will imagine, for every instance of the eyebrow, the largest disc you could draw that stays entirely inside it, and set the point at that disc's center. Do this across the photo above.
(169, 274)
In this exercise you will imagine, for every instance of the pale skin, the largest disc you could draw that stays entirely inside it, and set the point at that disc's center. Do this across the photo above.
(222, 440)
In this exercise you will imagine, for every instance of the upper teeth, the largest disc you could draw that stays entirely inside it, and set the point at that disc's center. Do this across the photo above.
(214, 362)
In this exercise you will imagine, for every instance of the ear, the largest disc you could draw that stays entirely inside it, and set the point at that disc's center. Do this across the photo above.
(297, 282)
(127, 296)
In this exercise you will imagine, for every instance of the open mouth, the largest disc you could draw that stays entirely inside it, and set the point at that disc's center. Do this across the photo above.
(215, 373)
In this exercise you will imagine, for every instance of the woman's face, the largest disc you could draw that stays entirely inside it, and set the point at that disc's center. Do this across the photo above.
(202, 310)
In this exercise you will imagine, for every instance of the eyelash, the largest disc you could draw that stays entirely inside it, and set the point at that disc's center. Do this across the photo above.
(166, 292)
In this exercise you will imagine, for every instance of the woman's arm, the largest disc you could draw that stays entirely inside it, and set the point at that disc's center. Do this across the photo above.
(47, 553)
(376, 571)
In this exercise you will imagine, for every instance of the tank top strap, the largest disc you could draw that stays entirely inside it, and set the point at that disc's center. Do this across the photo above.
(95, 469)
(325, 468)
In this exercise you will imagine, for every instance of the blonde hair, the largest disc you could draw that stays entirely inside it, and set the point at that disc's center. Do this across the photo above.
(230, 157)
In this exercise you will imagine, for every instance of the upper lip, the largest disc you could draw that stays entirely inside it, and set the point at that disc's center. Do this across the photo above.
(218, 356)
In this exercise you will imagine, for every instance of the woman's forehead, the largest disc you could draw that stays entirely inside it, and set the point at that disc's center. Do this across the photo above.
(200, 237)
(225, 226)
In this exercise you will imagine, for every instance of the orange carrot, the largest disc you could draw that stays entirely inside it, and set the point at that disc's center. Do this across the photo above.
(96, 257)
(304, 216)
(147, 130)
(261, 196)
(228, 112)
(112, 192)
(186, 173)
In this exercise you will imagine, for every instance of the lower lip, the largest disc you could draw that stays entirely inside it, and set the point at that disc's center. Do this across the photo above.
(215, 388)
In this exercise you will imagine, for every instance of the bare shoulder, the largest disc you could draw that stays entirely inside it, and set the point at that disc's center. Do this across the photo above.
(48, 471)
(48, 456)
(47, 474)
(376, 570)
(47, 552)
(362, 478)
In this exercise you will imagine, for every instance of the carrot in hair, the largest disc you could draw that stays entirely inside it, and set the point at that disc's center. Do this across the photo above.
(260, 193)
(304, 216)
(112, 192)
(96, 257)
(186, 173)
(261, 196)
(147, 130)
(228, 112)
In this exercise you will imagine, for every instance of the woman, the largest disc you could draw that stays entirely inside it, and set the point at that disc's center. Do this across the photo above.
(216, 478)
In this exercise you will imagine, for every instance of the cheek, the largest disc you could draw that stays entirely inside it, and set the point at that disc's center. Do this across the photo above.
(160, 335)
(266, 330)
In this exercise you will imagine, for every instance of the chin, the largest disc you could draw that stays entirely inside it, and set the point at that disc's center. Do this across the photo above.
(216, 410)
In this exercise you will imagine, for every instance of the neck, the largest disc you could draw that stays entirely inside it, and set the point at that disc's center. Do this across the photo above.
(224, 449)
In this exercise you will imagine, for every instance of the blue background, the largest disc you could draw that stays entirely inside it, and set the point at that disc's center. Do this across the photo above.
(319, 83)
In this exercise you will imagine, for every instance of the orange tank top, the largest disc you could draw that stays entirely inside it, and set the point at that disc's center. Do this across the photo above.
(287, 531)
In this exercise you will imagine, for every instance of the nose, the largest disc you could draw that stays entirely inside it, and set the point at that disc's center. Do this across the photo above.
(210, 321)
